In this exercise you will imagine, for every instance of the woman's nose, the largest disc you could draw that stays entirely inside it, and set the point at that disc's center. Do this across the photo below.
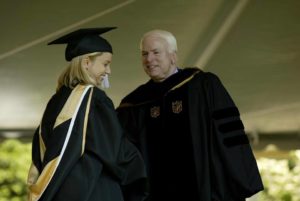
(108, 71)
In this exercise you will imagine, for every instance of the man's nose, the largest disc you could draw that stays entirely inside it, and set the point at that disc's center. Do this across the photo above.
(150, 57)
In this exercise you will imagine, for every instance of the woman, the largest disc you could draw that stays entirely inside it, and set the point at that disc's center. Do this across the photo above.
(79, 152)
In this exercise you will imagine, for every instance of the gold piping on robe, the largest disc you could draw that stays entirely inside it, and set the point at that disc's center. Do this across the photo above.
(86, 117)
(124, 105)
(37, 185)
(42, 144)
(69, 108)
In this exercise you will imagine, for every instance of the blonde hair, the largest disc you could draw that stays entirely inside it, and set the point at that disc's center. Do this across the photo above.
(168, 37)
(75, 74)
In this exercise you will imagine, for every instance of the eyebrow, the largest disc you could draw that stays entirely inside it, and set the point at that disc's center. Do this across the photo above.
(152, 50)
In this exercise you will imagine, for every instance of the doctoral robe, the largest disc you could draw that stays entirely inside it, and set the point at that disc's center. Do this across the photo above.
(190, 134)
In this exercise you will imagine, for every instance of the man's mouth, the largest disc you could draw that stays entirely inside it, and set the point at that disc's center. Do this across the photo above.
(152, 66)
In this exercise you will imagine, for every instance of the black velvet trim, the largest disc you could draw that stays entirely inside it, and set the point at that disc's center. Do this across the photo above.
(225, 113)
(155, 90)
(231, 126)
(236, 140)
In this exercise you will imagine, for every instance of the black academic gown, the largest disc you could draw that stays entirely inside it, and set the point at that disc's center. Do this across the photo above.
(94, 162)
(220, 157)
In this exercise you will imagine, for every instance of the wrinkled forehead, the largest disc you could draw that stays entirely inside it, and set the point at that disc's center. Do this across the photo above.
(153, 42)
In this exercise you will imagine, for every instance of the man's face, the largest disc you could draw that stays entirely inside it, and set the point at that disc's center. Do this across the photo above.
(158, 63)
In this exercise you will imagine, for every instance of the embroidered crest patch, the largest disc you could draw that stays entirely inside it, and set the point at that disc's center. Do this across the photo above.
(177, 107)
(155, 111)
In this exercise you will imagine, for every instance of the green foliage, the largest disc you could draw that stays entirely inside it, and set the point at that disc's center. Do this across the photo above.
(281, 178)
(15, 159)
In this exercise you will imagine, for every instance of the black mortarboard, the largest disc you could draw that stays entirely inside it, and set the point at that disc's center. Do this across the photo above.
(84, 41)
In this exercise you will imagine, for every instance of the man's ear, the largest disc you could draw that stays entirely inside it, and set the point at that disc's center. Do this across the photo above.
(85, 62)
(174, 58)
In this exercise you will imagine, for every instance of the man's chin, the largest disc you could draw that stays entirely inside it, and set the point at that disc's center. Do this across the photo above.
(157, 78)
(153, 74)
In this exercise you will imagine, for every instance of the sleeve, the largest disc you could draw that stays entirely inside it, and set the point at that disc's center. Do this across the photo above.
(119, 156)
(129, 123)
(233, 162)
(36, 153)
(36, 164)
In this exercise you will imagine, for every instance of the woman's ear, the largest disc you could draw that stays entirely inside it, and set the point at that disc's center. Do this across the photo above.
(85, 62)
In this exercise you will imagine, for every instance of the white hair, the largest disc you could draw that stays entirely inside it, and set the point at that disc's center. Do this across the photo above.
(165, 35)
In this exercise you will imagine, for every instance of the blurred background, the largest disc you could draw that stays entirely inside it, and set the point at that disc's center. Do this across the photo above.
(252, 45)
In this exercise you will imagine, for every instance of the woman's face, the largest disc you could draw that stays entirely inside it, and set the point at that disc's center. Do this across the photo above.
(99, 67)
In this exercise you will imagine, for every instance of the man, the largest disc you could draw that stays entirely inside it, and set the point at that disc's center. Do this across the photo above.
(188, 130)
